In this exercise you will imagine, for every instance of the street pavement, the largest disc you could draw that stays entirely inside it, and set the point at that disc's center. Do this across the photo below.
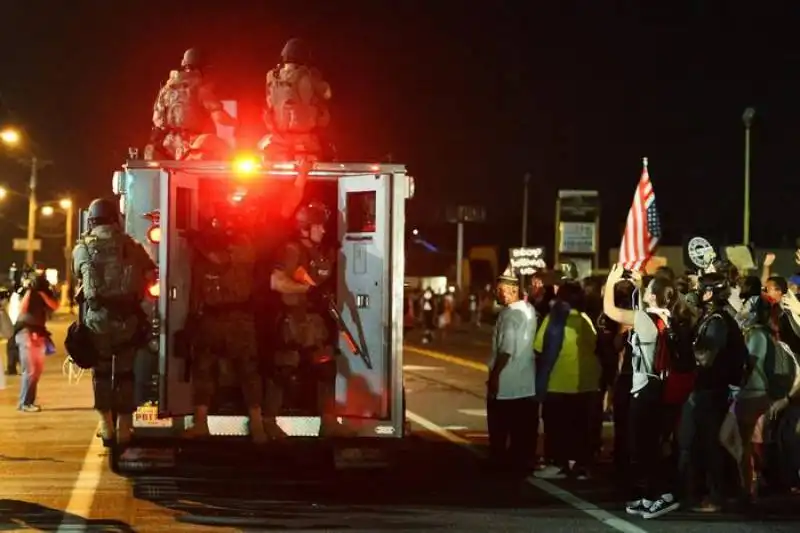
(56, 478)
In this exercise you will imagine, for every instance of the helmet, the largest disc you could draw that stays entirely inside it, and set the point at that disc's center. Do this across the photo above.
(295, 51)
(312, 213)
(193, 58)
(103, 209)
(715, 283)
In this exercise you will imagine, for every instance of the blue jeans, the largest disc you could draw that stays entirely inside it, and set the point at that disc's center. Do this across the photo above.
(31, 355)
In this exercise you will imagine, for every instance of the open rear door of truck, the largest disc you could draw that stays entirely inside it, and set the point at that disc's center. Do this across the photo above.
(179, 207)
(370, 298)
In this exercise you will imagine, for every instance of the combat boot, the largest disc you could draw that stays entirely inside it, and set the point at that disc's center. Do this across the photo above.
(106, 432)
(124, 428)
(272, 429)
(256, 424)
(199, 424)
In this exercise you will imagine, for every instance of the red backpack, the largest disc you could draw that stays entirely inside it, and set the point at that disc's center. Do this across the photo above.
(677, 379)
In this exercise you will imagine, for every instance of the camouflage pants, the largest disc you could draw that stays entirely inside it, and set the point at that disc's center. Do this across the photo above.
(303, 344)
(231, 336)
(113, 376)
(287, 146)
(186, 146)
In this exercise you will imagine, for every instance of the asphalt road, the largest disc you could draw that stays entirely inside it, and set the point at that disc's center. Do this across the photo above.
(55, 474)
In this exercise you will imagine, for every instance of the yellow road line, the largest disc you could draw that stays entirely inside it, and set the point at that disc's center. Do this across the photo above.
(447, 358)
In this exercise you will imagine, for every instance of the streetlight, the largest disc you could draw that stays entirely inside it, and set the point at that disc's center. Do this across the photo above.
(13, 137)
(49, 210)
(3, 193)
(747, 118)
(10, 136)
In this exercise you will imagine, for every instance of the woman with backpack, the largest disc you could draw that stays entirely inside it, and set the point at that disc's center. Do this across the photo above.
(760, 327)
(647, 412)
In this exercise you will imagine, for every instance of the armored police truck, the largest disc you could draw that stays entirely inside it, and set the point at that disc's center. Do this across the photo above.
(160, 200)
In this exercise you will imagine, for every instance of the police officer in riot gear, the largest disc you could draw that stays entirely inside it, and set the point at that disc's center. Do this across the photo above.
(305, 348)
(721, 356)
(185, 113)
(114, 271)
(296, 114)
(224, 326)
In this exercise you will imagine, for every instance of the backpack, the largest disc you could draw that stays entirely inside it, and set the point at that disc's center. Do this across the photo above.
(109, 274)
(674, 360)
(182, 108)
(737, 366)
(293, 99)
(780, 369)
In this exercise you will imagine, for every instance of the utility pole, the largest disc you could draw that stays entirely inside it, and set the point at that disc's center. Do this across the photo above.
(527, 179)
(68, 244)
(747, 118)
(460, 215)
(32, 207)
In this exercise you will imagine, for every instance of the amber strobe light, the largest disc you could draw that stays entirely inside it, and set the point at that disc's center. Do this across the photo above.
(154, 234)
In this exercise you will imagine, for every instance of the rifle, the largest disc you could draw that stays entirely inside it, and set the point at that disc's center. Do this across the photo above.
(303, 276)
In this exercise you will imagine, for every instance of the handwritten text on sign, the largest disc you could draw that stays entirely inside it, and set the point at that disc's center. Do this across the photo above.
(526, 261)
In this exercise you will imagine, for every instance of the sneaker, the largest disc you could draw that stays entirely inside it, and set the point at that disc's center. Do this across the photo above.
(637, 507)
(661, 506)
(551, 472)
(31, 408)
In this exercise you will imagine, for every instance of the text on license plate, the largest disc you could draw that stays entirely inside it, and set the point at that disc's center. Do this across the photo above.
(148, 417)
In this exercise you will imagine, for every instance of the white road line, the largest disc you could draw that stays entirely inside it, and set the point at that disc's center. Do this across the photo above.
(565, 496)
(473, 412)
(76, 515)
(418, 368)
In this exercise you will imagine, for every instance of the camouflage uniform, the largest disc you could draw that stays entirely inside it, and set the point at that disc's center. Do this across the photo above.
(184, 113)
(115, 320)
(223, 295)
(296, 113)
(305, 333)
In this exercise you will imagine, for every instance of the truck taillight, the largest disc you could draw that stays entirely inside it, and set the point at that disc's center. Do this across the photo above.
(154, 290)
(154, 234)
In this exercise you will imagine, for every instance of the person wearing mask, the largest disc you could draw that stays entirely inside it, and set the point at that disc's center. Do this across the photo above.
(568, 379)
(511, 406)
(647, 409)
(114, 271)
(32, 339)
(722, 357)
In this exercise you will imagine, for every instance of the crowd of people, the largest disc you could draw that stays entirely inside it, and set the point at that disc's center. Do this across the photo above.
(698, 373)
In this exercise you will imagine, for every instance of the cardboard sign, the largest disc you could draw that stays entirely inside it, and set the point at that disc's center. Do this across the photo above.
(654, 263)
(526, 261)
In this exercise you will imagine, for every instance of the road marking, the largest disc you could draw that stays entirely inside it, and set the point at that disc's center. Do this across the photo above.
(419, 368)
(565, 496)
(454, 428)
(76, 515)
(448, 358)
(473, 412)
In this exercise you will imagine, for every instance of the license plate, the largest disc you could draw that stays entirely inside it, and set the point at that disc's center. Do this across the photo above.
(147, 417)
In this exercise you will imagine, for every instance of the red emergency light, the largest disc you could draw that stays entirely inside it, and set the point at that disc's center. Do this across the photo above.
(246, 165)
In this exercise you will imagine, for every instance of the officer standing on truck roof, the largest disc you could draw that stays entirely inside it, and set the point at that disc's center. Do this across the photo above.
(297, 107)
(185, 113)
(222, 301)
(305, 333)
(114, 271)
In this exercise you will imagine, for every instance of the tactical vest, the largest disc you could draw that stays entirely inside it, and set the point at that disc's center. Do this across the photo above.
(294, 110)
(231, 283)
(182, 106)
(319, 267)
(111, 275)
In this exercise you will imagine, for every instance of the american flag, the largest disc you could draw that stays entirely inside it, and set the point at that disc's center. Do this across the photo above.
(643, 229)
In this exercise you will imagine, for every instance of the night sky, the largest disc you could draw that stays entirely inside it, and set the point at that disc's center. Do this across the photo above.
(468, 98)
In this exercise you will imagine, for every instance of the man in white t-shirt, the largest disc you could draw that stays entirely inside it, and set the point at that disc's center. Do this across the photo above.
(512, 409)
